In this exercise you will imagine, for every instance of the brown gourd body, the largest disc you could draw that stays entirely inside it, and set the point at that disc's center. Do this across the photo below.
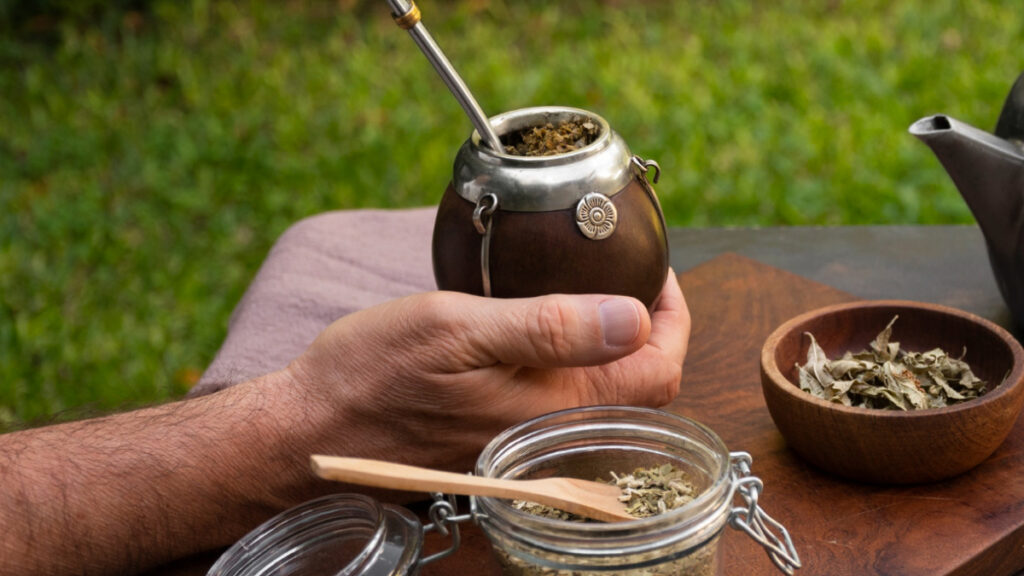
(577, 219)
(542, 252)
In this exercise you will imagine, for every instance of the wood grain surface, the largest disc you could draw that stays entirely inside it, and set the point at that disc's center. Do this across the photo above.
(970, 525)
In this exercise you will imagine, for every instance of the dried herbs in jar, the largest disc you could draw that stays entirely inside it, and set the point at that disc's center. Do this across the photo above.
(646, 492)
(586, 443)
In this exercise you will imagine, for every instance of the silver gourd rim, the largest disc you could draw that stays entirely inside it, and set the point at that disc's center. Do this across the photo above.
(542, 183)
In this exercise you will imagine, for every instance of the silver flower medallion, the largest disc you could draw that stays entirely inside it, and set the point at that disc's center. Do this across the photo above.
(596, 216)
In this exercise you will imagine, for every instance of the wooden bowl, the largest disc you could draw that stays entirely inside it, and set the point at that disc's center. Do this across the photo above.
(892, 446)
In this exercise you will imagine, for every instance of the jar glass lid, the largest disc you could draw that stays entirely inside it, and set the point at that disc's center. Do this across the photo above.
(340, 535)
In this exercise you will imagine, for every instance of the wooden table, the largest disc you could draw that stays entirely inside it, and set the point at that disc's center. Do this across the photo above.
(740, 284)
(973, 524)
(941, 264)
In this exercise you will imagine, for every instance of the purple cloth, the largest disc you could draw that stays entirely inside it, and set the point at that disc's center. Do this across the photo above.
(319, 270)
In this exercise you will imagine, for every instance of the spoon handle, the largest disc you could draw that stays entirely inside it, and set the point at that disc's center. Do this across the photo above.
(407, 16)
(590, 499)
(383, 474)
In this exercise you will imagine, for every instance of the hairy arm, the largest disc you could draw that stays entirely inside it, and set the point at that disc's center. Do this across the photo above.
(440, 372)
(118, 494)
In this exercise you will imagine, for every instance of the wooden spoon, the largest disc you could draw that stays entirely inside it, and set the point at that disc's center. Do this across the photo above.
(593, 500)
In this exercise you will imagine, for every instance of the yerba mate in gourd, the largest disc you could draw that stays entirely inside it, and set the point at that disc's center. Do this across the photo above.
(581, 218)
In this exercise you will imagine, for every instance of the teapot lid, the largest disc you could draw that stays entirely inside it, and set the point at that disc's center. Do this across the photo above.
(1010, 125)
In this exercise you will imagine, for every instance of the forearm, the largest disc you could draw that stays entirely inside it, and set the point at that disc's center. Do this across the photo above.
(121, 493)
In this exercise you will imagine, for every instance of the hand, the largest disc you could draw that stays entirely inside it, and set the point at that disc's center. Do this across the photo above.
(430, 379)
(425, 380)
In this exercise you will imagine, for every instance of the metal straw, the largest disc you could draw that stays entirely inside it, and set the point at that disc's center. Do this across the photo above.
(407, 16)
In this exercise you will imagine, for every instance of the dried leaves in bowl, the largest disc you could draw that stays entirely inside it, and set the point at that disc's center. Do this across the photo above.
(886, 377)
(893, 446)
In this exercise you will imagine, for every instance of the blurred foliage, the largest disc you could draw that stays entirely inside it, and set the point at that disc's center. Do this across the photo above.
(40, 20)
(150, 153)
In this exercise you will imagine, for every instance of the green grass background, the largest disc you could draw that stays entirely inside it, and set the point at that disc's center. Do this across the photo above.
(150, 156)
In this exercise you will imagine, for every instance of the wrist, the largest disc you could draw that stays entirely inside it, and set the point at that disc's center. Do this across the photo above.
(291, 423)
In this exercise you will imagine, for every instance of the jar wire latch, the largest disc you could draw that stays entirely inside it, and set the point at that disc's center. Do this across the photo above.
(753, 520)
(445, 520)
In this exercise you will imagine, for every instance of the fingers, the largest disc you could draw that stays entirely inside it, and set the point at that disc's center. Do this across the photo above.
(658, 368)
(448, 332)
(651, 376)
(557, 330)
(670, 321)
(551, 331)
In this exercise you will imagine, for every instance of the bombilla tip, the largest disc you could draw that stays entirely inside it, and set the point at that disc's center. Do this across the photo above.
(405, 13)
(400, 7)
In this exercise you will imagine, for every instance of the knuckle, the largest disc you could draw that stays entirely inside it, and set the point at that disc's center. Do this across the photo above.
(432, 320)
(434, 331)
(551, 323)
(658, 385)
(671, 381)
(433, 311)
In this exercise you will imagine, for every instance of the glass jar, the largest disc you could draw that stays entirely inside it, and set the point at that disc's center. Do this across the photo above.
(354, 535)
(337, 535)
(589, 443)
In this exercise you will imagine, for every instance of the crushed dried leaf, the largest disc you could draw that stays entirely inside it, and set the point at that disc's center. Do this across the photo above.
(886, 377)
(646, 492)
(548, 140)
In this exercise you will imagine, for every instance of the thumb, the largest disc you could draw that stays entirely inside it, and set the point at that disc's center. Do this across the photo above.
(558, 330)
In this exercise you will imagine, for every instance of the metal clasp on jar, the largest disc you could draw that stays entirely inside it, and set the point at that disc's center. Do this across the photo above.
(445, 520)
(753, 520)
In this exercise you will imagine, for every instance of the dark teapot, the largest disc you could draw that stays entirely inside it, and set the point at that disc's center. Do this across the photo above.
(583, 221)
(988, 170)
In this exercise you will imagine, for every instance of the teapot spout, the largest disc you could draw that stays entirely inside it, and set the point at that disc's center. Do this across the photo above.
(988, 170)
